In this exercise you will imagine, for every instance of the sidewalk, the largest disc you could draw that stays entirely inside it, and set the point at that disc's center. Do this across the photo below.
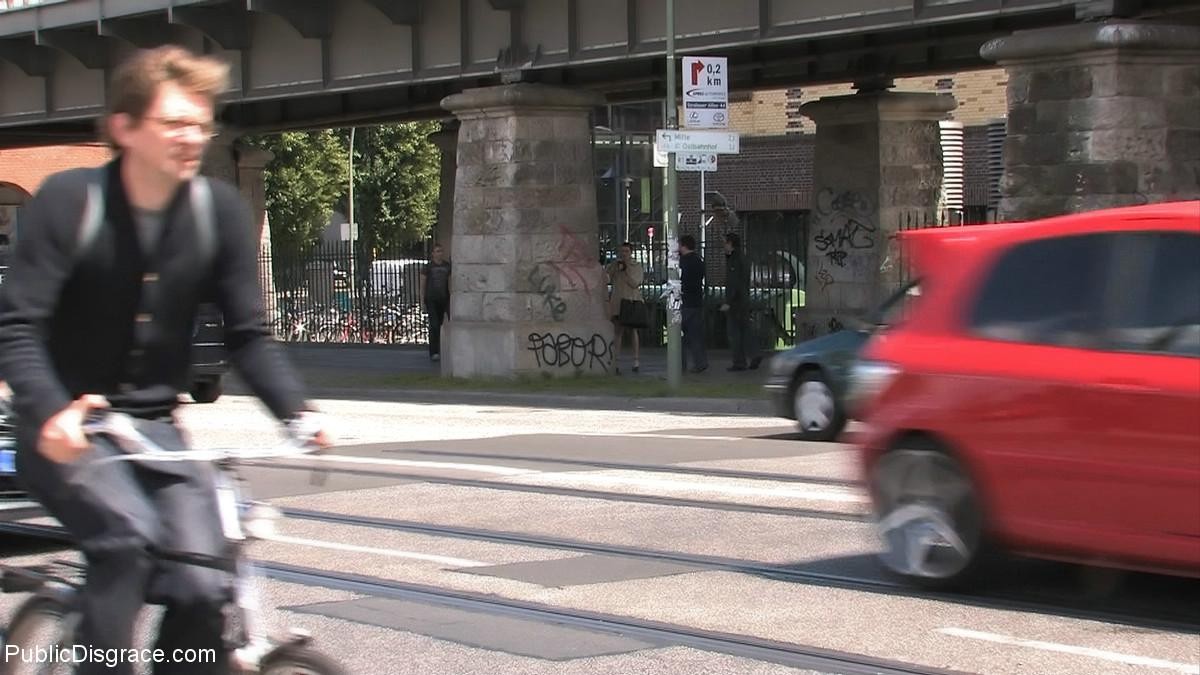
(326, 367)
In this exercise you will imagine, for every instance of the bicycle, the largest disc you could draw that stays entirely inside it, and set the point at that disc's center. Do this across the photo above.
(53, 603)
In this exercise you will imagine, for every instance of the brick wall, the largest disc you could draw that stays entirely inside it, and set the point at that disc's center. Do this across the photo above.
(28, 168)
(980, 95)
(771, 173)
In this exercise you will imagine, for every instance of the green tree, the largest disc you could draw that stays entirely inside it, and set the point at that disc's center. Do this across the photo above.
(397, 172)
(304, 183)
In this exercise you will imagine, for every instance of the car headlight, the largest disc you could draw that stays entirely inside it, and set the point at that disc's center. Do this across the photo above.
(869, 379)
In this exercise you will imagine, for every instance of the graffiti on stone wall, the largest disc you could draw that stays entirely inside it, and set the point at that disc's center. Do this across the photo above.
(571, 270)
(563, 350)
(808, 330)
(546, 283)
(847, 224)
(824, 278)
(574, 260)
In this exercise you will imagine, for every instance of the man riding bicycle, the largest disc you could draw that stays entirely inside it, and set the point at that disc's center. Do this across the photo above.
(97, 311)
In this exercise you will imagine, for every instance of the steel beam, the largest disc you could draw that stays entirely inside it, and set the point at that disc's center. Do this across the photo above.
(33, 60)
(313, 19)
(92, 50)
(224, 24)
(146, 32)
(400, 12)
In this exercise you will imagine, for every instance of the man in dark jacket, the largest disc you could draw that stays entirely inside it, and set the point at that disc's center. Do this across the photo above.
(742, 342)
(97, 312)
(435, 293)
(691, 287)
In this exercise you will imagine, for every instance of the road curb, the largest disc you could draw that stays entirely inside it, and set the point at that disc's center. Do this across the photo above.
(675, 404)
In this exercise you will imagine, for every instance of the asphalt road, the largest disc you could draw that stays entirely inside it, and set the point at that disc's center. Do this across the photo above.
(468, 539)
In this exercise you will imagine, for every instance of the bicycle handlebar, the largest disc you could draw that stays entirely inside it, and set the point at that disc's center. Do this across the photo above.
(136, 446)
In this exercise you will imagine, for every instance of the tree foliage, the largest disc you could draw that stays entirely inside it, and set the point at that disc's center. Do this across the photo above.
(303, 183)
(396, 181)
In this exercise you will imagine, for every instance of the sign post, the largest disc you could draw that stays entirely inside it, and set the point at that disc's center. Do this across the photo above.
(670, 226)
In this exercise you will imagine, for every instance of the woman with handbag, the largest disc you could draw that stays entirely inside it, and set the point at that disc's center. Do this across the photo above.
(626, 305)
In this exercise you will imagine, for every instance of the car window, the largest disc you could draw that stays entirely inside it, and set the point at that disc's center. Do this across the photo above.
(1045, 292)
(1163, 313)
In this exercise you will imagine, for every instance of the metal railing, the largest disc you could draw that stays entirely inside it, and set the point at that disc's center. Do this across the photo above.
(329, 294)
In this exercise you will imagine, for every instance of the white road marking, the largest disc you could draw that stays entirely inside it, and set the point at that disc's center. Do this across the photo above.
(418, 464)
(1115, 657)
(829, 494)
(392, 553)
(680, 437)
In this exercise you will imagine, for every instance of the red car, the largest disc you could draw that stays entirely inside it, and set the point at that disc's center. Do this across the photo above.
(1041, 397)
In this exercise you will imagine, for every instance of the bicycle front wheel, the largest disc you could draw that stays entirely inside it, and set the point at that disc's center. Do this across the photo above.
(296, 660)
(37, 639)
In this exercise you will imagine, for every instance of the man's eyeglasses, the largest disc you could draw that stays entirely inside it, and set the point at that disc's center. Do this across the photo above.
(176, 126)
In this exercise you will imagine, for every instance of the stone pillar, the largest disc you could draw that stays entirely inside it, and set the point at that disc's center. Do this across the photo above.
(877, 160)
(220, 158)
(1099, 114)
(251, 166)
(243, 166)
(528, 294)
(446, 141)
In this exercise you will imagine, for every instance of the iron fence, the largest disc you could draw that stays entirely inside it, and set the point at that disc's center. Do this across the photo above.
(333, 293)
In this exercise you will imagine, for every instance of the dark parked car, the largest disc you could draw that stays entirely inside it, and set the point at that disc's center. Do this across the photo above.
(14, 503)
(808, 383)
(209, 360)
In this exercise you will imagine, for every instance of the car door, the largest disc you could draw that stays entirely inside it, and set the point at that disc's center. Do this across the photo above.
(1031, 333)
(1144, 402)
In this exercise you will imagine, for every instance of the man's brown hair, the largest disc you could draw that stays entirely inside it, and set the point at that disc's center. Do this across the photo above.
(135, 82)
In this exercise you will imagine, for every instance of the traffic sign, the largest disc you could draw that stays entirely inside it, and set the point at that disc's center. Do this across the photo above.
(705, 92)
(675, 140)
(696, 161)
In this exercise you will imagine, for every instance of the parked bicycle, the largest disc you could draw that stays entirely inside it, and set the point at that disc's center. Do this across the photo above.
(50, 617)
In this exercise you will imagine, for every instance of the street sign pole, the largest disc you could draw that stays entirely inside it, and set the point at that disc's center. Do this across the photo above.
(670, 226)
(703, 225)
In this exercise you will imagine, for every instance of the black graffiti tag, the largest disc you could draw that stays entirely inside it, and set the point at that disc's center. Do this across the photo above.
(566, 350)
(548, 287)
(853, 234)
(849, 203)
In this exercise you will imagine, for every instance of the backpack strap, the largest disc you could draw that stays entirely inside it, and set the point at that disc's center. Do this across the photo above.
(200, 197)
(93, 213)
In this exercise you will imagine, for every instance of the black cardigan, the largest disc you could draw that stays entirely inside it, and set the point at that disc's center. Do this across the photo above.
(119, 323)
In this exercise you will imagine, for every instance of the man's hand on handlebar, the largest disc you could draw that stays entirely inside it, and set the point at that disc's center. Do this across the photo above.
(62, 439)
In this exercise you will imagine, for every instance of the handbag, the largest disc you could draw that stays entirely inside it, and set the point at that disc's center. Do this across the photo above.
(632, 314)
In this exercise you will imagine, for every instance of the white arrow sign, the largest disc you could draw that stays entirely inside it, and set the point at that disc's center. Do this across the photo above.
(721, 142)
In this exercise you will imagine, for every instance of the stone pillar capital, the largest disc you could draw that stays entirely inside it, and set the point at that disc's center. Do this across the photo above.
(1076, 39)
(526, 97)
(889, 106)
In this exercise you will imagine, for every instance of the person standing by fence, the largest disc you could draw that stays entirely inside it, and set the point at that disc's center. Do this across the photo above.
(435, 294)
(691, 287)
(626, 306)
(742, 340)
